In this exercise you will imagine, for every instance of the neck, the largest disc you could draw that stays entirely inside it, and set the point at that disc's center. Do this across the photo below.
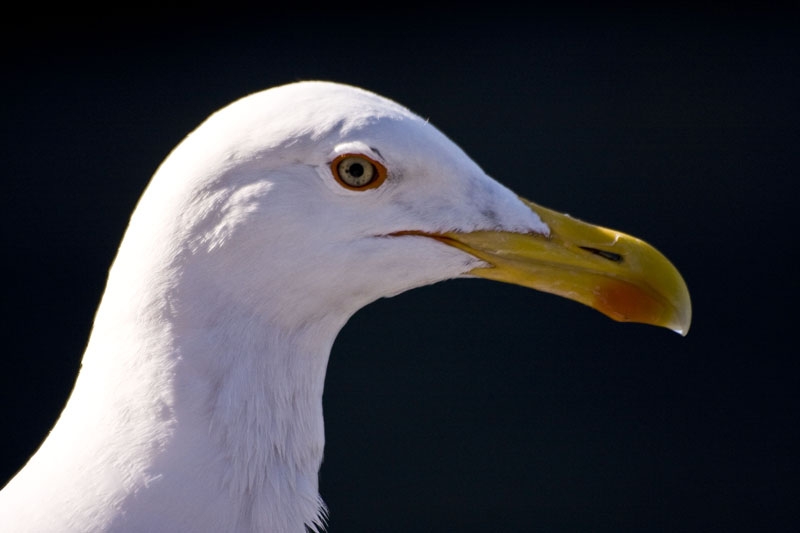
(213, 424)
(263, 408)
(247, 413)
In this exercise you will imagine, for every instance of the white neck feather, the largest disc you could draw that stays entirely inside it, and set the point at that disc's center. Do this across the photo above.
(191, 413)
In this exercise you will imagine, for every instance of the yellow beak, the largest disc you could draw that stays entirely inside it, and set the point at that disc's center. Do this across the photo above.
(619, 275)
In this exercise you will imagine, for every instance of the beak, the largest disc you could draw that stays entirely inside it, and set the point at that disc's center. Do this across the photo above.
(619, 275)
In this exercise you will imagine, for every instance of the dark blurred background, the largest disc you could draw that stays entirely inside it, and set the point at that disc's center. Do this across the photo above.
(468, 405)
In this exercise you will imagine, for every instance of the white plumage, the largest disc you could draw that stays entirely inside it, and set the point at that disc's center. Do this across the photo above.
(199, 402)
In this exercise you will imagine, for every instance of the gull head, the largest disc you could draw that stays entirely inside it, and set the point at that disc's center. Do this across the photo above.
(317, 198)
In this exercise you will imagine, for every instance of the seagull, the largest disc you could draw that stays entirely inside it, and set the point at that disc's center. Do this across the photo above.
(198, 405)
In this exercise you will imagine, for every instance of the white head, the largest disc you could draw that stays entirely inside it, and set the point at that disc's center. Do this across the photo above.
(263, 216)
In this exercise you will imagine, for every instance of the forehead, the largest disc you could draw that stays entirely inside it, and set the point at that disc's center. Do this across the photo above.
(311, 123)
(323, 114)
(318, 108)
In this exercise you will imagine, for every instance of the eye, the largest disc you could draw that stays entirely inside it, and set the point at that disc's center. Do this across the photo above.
(358, 172)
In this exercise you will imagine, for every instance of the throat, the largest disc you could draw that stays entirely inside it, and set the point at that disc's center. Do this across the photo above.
(248, 427)
(265, 420)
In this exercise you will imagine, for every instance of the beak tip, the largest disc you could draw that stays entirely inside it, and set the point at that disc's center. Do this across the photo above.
(682, 331)
(684, 319)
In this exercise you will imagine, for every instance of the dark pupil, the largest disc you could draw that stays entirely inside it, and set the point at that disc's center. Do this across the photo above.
(356, 170)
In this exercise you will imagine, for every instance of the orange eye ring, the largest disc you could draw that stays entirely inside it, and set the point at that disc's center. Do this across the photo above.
(358, 172)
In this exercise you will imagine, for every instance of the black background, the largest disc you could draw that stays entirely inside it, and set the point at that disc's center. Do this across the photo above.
(468, 405)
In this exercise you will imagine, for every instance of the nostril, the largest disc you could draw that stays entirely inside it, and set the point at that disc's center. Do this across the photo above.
(611, 256)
